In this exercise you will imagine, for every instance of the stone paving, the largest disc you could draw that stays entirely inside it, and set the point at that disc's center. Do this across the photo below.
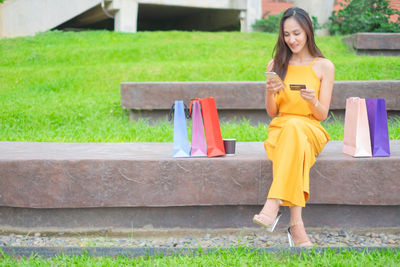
(204, 239)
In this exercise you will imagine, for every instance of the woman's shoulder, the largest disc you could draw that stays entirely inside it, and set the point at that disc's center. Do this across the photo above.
(325, 64)
(323, 68)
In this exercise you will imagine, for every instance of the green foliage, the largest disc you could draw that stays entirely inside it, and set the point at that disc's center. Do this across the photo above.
(269, 24)
(364, 16)
(316, 25)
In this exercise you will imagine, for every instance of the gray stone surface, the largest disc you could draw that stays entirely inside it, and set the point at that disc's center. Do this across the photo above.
(65, 175)
(374, 43)
(206, 239)
(241, 100)
(114, 220)
(390, 90)
(243, 96)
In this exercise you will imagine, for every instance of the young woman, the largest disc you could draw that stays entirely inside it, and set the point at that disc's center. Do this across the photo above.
(295, 135)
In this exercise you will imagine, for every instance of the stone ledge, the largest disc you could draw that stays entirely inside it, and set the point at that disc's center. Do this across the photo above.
(366, 43)
(65, 175)
(241, 100)
(125, 220)
(156, 96)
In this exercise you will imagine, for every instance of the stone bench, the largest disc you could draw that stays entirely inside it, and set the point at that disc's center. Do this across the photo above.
(374, 44)
(117, 185)
(241, 99)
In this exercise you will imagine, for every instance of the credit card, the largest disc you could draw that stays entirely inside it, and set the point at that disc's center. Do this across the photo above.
(297, 87)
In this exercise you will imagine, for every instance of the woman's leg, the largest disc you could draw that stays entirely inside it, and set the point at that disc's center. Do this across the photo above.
(293, 154)
(271, 208)
(295, 214)
(297, 229)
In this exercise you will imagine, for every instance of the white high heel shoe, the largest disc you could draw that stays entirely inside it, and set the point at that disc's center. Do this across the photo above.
(306, 243)
(261, 220)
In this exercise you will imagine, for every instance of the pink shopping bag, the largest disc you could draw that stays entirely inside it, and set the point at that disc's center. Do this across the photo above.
(199, 146)
(357, 142)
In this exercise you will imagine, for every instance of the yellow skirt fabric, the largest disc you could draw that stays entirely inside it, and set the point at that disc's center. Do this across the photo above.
(292, 145)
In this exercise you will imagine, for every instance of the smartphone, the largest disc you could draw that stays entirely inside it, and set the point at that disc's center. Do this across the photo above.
(297, 87)
(274, 76)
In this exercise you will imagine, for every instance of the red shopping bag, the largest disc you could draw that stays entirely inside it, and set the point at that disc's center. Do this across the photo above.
(215, 144)
(357, 142)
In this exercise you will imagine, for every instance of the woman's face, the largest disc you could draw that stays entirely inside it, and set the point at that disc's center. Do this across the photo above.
(295, 36)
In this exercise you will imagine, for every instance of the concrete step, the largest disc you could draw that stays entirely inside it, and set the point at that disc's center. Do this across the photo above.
(241, 99)
(98, 184)
(374, 44)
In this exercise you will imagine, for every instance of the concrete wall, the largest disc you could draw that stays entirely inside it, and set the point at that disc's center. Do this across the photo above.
(253, 11)
(1, 20)
(224, 4)
(28, 17)
(320, 9)
(125, 22)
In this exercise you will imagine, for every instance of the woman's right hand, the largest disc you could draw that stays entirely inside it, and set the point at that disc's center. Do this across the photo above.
(273, 87)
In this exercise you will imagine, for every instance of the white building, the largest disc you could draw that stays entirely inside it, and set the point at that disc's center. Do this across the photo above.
(28, 17)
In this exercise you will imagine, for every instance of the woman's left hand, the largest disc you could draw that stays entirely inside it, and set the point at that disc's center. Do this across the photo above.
(309, 95)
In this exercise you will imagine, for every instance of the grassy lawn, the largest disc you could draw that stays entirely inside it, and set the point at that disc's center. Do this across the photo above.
(65, 87)
(236, 257)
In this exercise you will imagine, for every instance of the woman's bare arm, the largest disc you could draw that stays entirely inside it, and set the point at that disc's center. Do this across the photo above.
(320, 106)
(271, 89)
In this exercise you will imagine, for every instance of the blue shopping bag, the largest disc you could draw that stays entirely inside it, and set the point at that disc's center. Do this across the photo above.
(378, 127)
(181, 140)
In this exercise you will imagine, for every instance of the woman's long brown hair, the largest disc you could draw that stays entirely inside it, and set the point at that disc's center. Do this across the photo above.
(282, 52)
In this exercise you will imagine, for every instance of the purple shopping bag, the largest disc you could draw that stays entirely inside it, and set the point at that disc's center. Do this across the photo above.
(378, 127)
(199, 146)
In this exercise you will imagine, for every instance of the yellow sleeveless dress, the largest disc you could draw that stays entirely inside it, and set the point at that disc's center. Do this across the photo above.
(295, 138)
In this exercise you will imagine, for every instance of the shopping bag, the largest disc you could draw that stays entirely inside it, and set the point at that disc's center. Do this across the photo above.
(378, 127)
(181, 141)
(357, 142)
(199, 147)
(215, 145)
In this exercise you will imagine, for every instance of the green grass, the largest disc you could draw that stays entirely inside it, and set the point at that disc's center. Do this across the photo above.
(122, 130)
(65, 87)
(234, 257)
